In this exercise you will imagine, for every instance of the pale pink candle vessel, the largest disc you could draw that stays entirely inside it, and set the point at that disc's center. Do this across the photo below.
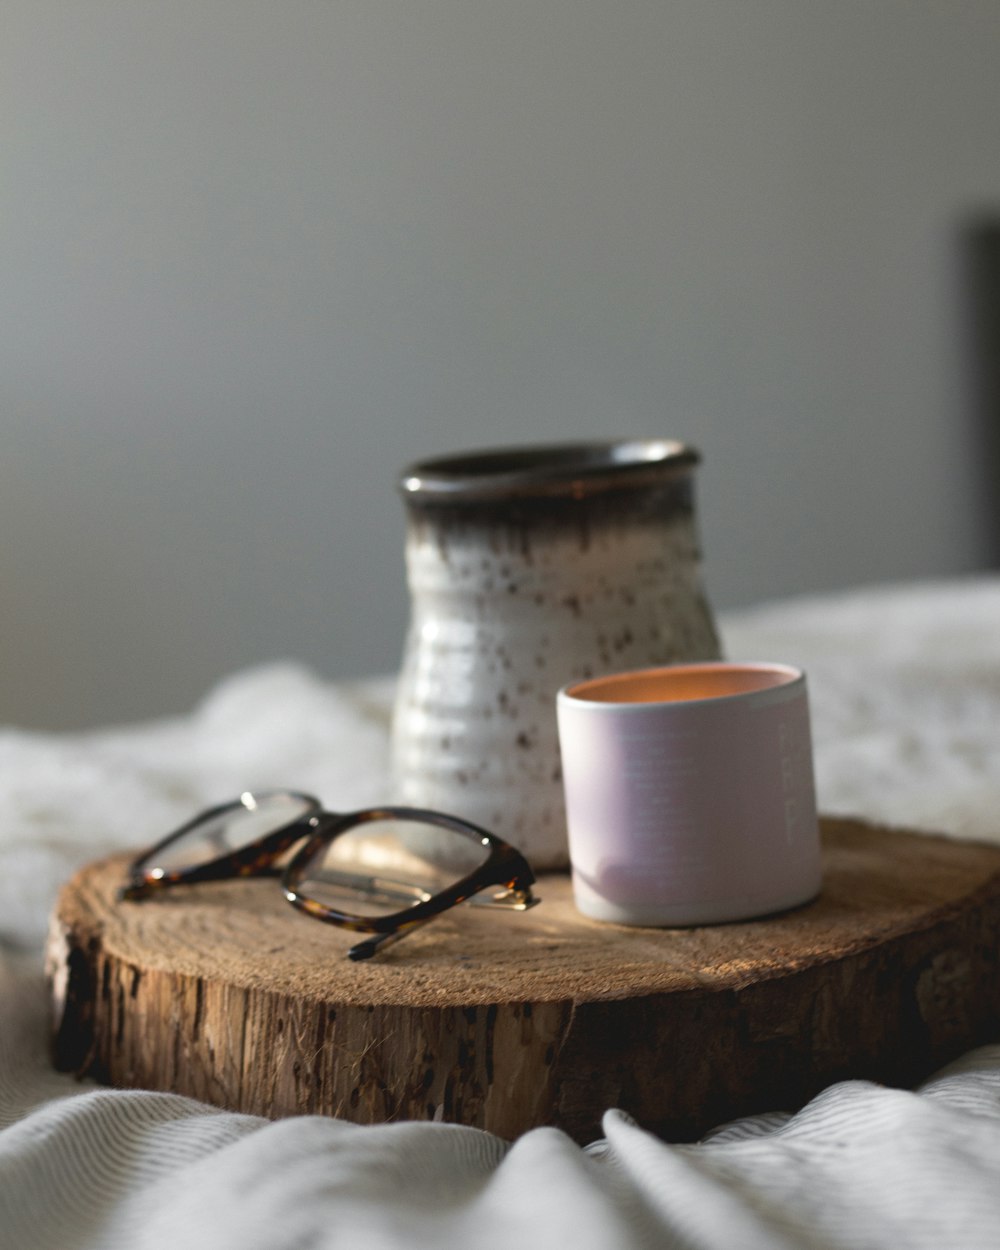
(689, 793)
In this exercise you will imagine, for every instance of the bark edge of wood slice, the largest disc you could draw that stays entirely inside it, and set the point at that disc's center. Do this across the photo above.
(507, 1022)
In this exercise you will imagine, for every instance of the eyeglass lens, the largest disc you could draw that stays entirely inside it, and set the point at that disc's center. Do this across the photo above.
(229, 829)
(384, 866)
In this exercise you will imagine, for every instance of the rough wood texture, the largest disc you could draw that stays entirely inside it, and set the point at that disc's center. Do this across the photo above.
(508, 1021)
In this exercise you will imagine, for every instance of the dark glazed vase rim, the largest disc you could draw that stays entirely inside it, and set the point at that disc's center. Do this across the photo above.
(545, 471)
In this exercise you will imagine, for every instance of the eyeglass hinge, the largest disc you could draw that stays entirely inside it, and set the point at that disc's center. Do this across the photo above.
(513, 899)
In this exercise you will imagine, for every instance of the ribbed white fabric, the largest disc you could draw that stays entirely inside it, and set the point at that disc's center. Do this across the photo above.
(905, 685)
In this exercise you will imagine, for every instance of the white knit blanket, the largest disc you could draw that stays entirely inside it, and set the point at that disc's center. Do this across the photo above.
(905, 691)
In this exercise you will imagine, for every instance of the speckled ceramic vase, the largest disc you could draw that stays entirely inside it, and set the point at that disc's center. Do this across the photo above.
(530, 568)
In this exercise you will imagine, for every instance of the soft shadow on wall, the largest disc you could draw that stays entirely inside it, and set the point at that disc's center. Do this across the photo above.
(980, 248)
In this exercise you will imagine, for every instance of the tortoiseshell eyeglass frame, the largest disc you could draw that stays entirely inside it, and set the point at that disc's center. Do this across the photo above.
(504, 868)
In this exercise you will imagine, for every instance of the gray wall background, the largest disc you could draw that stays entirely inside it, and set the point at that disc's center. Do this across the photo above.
(258, 256)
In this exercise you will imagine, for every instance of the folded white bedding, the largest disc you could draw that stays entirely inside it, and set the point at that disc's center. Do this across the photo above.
(905, 687)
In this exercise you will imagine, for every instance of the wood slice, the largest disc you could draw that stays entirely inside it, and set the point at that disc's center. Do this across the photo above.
(509, 1021)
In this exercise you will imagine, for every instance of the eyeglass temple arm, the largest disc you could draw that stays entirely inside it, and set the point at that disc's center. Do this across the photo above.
(371, 946)
(517, 898)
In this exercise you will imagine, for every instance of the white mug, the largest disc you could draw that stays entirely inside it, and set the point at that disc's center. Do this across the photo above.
(689, 793)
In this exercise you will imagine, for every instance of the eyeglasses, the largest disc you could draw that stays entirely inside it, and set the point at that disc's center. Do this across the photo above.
(383, 870)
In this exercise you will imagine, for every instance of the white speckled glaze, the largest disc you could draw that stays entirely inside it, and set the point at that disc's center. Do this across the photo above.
(528, 570)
